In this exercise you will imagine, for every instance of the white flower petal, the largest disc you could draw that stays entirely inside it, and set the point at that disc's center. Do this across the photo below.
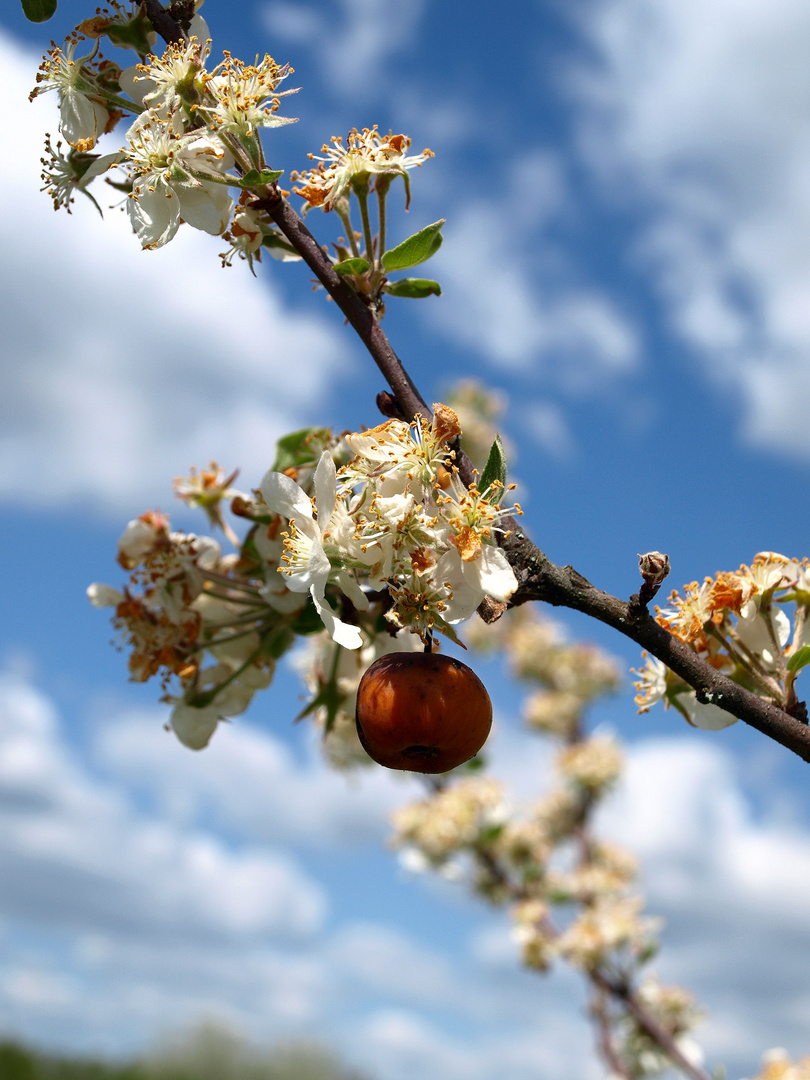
(194, 727)
(344, 634)
(101, 595)
(350, 588)
(325, 489)
(782, 624)
(495, 576)
(207, 207)
(284, 496)
(707, 717)
(154, 212)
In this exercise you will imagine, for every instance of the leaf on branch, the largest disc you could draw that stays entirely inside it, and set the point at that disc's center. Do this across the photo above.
(253, 178)
(351, 266)
(307, 621)
(330, 698)
(133, 34)
(800, 659)
(495, 468)
(413, 287)
(416, 249)
(38, 10)
(274, 241)
(277, 642)
(299, 448)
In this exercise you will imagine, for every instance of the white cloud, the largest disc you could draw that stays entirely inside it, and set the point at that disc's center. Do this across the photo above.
(77, 851)
(122, 368)
(353, 50)
(127, 907)
(518, 305)
(732, 888)
(699, 114)
(546, 425)
(281, 799)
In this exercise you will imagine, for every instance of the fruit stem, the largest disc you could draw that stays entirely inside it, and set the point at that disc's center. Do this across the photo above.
(428, 641)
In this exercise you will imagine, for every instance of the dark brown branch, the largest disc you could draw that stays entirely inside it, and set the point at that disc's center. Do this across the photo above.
(539, 578)
(604, 1039)
(649, 1024)
(356, 310)
(164, 24)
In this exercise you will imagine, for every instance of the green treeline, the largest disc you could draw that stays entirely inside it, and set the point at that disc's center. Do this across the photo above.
(208, 1054)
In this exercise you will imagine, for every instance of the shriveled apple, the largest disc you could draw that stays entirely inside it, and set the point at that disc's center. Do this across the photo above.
(422, 712)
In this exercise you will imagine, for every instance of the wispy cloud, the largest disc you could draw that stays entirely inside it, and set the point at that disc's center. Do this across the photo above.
(146, 887)
(122, 368)
(353, 44)
(700, 116)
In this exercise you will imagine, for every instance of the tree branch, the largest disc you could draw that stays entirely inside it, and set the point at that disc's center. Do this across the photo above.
(356, 310)
(164, 24)
(538, 577)
(649, 1024)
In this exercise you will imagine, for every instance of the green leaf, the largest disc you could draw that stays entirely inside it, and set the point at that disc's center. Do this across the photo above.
(307, 621)
(416, 249)
(475, 764)
(351, 266)
(495, 468)
(330, 697)
(299, 448)
(414, 288)
(490, 834)
(133, 34)
(274, 242)
(39, 10)
(800, 659)
(254, 178)
(277, 642)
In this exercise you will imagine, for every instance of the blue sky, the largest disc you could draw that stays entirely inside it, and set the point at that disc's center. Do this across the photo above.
(627, 200)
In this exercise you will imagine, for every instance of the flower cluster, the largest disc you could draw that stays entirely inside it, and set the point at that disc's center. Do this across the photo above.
(380, 552)
(194, 134)
(738, 623)
(396, 518)
(187, 616)
(777, 1065)
(366, 154)
(190, 128)
(569, 893)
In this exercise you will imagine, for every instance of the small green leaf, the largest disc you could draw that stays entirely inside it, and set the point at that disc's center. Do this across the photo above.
(39, 10)
(277, 642)
(299, 448)
(307, 621)
(134, 34)
(351, 266)
(416, 249)
(254, 178)
(495, 468)
(274, 242)
(414, 288)
(475, 764)
(490, 834)
(800, 659)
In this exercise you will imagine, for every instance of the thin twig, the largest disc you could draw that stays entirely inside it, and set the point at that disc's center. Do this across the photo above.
(539, 578)
(649, 1024)
(356, 310)
(168, 28)
(604, 1041)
